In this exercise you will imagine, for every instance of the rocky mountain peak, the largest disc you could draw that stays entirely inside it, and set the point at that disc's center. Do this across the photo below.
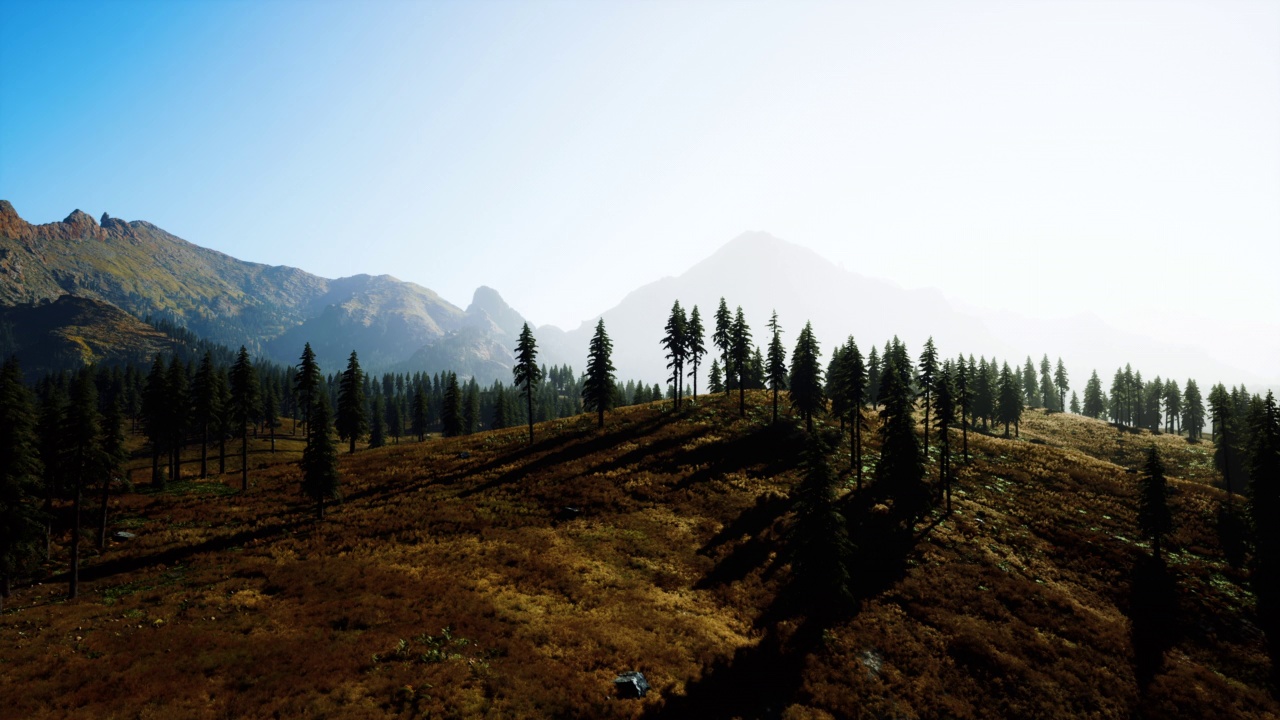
(487, 302)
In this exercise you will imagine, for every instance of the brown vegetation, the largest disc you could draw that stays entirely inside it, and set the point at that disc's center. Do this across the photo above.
(455, 581)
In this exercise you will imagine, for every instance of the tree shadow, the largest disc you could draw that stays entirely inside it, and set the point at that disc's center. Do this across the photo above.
(1153, 617)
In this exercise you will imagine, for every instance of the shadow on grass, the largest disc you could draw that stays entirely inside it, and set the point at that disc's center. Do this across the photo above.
(1153, 617)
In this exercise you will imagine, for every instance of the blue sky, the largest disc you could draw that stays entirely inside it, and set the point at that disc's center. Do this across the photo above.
(1115, 158)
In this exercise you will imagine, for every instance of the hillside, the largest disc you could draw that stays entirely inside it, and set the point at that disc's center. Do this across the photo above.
(454, 581)
(72, 331)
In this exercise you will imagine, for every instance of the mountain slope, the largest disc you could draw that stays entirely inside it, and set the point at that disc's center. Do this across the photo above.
(146, 271)
(72, 331)
(453, 581)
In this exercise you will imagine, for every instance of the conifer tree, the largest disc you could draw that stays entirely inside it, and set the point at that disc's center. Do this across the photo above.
(177, 412)
(928, 369)
(1222, 411)
(1094, 401)
(676, 343)
(1153, 505)
(1061, 382)
(1172, 405)
(353, 421)
(819, 541)
(695, 346)
(50, 431)
(377, 424)
(394, 420)
(1030, 388)
(1264, 508)
(1193, 411)
(776, 371)
(154, 399)
(805, 382)
(419, 420)
(1009, 404)
(944, 406)
(308, 382)
(270, 413)
(1075, 403)
(222, 415)
(722, 338)
(984, 394)
(873, 376)
(964, 402)
(835, 391)
(900, 469)
(320, 477)
(716, 380)
(451, 411)
(244, 407)
(22, 530)
(204, 406)
(597, 386)
(81, 441)
(1119, 398)
(526, 372)
(1048, 391)
(471, 408)
(740, 350)
(854, 383)
(113, 456)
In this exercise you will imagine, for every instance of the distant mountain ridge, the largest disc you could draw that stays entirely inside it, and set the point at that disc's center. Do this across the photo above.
(146, 271)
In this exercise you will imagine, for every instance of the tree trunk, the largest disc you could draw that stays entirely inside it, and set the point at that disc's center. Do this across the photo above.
(528, 396)
(320, 508)
(74, 588)
(964, 430)
(855, 439)
(204, 452)
(102, 519)
(244, 460)
(695, 379)
(601, 409)
(353, 443)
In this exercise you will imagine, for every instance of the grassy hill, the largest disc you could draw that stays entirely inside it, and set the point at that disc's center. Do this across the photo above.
(455, 581)
(71, 332)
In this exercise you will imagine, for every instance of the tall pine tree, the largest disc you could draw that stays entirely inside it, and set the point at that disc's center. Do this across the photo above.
(353, 420)
(676, 342)
(805, 382)
(320, 477)
(740, 352)
(597, 385)
(22, 530)
(244, 407)
(776, 370)
(526, 372)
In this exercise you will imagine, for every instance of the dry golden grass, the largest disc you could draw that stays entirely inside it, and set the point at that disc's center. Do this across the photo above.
(447, 585)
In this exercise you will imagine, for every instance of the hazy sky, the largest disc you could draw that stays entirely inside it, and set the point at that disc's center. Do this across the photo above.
(1120, 158)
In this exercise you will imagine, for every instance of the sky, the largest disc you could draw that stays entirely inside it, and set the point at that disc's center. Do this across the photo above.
(1047, 158)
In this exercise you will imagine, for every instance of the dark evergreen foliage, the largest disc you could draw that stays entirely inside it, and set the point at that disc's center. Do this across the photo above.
(526, 372)
(1154, 517)
(776, 370)
(22, 529)
(805, 381)
(353, 419)
(597, 386)
(244, 407)
(320, 479)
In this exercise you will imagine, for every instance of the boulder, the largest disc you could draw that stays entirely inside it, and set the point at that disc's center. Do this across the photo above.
(631, 685)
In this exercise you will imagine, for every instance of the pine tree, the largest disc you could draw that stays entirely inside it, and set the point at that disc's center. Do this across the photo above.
(1009, 404)
(1061, 382)
(222, 418)
(873, 376)
(776, 371)
(1153, 506)
(854, 383)
(928, 369)
(1030, 388)
(964, 401)
(320, 458)
(394, 420)
(1119, 396)
(740, 350)
(271, 413)
(984, 393)
(50, 430)
(204, 398)
(84, 463)
(1264, 508)
(1172, 405)
(451, 411)
(154, 399)
(471, 408)
(353, 421)
(244, 407)
(113, 456)
(835, 391)
(900, 469)
(716, 380)
(1048, 391)
(818, 540)
(597, 386)
(177, 412)
(1075, 403)
(526, 372)
(308, 382)
(805, 382)
(722, 338)
(22, 529)
(1095, 404)
(377, 425)
(695, 346)
(1222, 410)
(676, 344)
(1193, 411)
(419, 420)
(944, 407)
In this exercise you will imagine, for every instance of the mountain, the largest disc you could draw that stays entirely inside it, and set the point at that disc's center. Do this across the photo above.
(763, 273)
(148, 272)
(69, 332)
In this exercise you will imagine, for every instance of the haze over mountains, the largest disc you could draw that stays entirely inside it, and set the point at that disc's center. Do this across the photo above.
(396, 325)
